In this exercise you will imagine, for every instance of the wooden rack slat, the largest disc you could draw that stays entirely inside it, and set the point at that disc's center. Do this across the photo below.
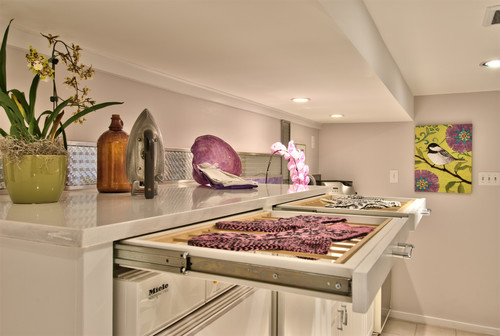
(340, 251)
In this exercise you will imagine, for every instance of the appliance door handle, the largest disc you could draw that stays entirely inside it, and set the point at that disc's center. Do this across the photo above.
(342, 317)
(406, 252)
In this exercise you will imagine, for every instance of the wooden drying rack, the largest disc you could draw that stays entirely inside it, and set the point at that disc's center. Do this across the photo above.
(318, 202)
(339, 252)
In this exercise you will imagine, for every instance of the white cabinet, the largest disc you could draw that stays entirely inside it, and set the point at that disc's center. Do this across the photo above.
(250, 317)
(300, 315)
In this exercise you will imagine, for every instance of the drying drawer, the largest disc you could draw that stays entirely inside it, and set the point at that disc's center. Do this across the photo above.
(352, 271)
(411, 208)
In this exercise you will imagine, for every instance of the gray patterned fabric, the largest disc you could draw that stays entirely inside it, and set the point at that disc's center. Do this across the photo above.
(358, 202)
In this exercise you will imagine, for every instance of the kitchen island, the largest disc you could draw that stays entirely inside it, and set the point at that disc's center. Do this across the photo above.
(56, 260)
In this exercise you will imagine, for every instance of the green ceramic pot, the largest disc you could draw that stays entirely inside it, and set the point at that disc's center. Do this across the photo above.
(36, 178)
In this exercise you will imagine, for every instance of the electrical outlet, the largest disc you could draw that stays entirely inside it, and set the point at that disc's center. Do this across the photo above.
(393, 176)
(489, 178)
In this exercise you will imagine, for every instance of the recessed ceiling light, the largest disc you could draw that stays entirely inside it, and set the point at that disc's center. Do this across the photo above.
(492, 63)
(336, 115)
(300, 100)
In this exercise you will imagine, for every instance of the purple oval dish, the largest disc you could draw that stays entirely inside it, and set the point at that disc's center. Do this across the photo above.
(211, 149)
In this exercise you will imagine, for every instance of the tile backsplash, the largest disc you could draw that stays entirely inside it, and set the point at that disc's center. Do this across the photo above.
(82, 166)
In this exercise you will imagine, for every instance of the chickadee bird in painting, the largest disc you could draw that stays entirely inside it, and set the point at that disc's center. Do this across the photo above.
(439, 156)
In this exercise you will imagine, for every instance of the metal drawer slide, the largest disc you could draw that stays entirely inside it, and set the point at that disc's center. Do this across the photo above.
(151, 258)
(181, 262)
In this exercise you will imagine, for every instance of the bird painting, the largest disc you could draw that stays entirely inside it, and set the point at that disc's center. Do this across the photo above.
(439, 156)
(443, 158)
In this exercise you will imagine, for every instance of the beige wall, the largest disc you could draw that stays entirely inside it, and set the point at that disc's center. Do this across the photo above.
(454, 275)
(181, 118)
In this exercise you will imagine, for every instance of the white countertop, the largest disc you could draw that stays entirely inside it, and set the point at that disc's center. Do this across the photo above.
(86, 218)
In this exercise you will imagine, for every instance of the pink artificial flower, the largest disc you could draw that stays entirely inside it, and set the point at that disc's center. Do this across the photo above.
(296, 165)
(306, 170)
(277, 147)
(291, 147)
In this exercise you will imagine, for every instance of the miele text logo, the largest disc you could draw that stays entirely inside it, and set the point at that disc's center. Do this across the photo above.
(155, 291)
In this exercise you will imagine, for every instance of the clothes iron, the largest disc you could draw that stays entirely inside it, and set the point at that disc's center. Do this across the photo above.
(145, 156)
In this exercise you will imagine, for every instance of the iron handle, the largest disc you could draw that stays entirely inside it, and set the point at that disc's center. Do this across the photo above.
(149, 164)
(407, 251)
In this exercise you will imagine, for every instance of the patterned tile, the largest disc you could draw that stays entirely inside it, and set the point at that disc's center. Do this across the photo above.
(82, 166)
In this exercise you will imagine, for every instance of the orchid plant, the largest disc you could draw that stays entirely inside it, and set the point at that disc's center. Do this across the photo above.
(297, 167)
(27, 130)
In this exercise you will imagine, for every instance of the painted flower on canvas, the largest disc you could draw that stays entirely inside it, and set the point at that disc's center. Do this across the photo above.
(459, 137)
(426, 181)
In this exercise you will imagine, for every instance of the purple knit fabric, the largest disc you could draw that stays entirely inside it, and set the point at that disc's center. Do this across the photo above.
(280, 224)
(317, 239)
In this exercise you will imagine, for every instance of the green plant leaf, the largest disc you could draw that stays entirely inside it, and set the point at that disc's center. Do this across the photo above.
(21, 99)
(65, 141)
(15, 117)
(3, 60)
(52, 116)
(83, 113)
(33, 89)
(14, 131)
(55, 126)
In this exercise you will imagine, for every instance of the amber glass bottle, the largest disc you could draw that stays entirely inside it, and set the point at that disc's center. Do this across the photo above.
(111, 148)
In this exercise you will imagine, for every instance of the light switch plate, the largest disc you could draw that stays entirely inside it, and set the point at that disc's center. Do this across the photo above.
(489, 178)
(393, 176)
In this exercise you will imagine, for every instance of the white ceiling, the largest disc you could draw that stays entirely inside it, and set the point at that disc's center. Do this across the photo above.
(365, 59)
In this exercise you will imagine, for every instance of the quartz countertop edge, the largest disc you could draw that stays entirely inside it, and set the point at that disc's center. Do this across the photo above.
(214, 205)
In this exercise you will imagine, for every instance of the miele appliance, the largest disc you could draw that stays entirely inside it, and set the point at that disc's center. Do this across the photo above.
(345, 281)
(146, 302)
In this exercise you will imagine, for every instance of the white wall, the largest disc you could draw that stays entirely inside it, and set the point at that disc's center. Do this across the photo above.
(454, 275)
(181, 118)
